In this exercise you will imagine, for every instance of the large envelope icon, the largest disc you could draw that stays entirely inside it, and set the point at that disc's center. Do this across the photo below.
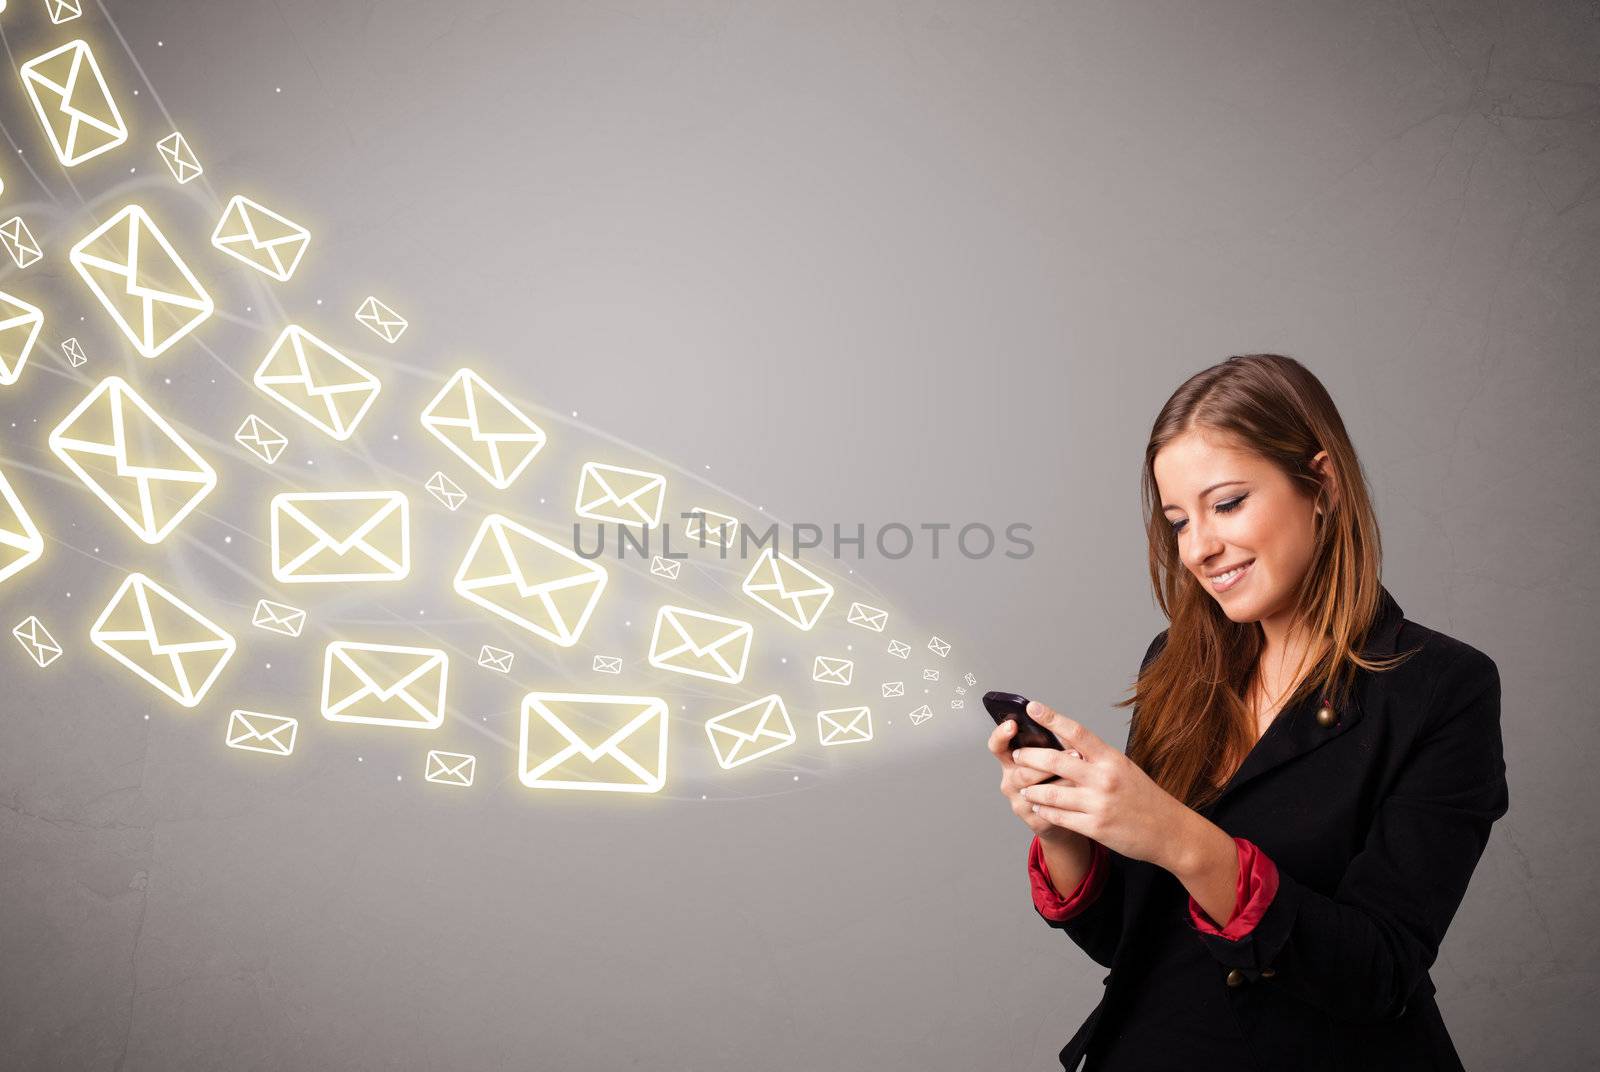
(921, 715)
(317, 382)
(253, 233)
(37, 641)
(787, 588)
(626, 496)
(132, 459)
(867, 617)
(759, 728)
(279, 618)
(252, 731)
(21, 543)
(701, 645)
(845, 725)
(938, 647)
(832, 671)
(19, 330)
(384, 685)
(579, 741)
(72, 100)
(530, 580)
(337, 536)
(162, 639)
(142, 282)
(483, 428)
(450, 768)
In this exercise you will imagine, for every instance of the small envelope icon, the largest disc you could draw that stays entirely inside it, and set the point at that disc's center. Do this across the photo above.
(326, 537)
(384, 685)
(938, 647)
(387, 324)
(162, 639)
(19, 242)
(921, 715)
(21, 543)
(958, 703)
(700, 645)
(72, 100)
(261, 439)
(279, 618)
(930, 675)
(132, 459)
(845, 725)
(74, 351)
(483, 428)
(179, 158)
(317, 382)
(787, 588)
(665, 567)
(899, 650)
(709, 527)
(253, 233)
(832, 671)
(892, 689)
(252, 731)
(19, 330)
(757, 729)
(607, 664)
(142, 282)
(63, 10)
(37, 641)
(629, 749)
(493, 658)
(530, 580)
(450, 768)
(447, 491)
(626, 496)
(868, 617)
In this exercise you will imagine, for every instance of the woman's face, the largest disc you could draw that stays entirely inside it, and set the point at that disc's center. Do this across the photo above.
(1231, 507)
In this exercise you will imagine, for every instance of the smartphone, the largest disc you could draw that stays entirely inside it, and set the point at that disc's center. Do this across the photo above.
(1004, 705)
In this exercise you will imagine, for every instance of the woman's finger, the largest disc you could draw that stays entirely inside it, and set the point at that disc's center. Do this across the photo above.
(1055, 795)
(1070, 733)
(1076, 821)
(1000, 742)
(1061, 763)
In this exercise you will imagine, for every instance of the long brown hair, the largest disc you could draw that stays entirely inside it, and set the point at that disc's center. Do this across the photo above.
(1191, 724)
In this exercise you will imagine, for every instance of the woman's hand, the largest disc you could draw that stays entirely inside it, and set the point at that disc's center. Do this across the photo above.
(1102, 794)
(1015, 778)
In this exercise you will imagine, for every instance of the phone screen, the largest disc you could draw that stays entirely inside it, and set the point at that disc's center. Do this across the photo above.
(1004, 705)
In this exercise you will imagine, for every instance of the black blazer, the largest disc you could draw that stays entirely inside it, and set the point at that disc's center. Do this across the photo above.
(1375, 823)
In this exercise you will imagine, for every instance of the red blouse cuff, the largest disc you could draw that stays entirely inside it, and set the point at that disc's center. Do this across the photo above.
(1258, 884)
(1048, 900)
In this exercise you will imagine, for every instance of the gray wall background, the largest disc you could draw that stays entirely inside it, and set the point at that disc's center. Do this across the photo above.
(870, 261)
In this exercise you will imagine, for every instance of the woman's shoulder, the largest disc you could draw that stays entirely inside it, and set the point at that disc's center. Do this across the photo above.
(1445, 672)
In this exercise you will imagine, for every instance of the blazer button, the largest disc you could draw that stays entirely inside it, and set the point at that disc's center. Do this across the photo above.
(1235, 977)
(1269, 973)
(1325, 716)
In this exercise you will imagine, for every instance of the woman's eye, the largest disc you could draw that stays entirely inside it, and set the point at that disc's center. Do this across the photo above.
(1227, 506)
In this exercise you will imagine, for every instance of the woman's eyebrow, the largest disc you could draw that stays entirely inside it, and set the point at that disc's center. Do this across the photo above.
(1169, 506)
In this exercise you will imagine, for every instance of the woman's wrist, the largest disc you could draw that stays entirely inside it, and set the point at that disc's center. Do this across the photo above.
(1205, 860)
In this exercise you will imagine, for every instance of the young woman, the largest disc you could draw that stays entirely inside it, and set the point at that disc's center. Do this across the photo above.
(1310, 777)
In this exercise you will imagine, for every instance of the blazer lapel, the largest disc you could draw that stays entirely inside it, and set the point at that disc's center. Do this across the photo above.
(1296, 730)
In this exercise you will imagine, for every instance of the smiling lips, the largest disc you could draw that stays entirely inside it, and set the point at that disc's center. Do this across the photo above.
(1221, 582)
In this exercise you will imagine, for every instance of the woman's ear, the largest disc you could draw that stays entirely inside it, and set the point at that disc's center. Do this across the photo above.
(1330, 483)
